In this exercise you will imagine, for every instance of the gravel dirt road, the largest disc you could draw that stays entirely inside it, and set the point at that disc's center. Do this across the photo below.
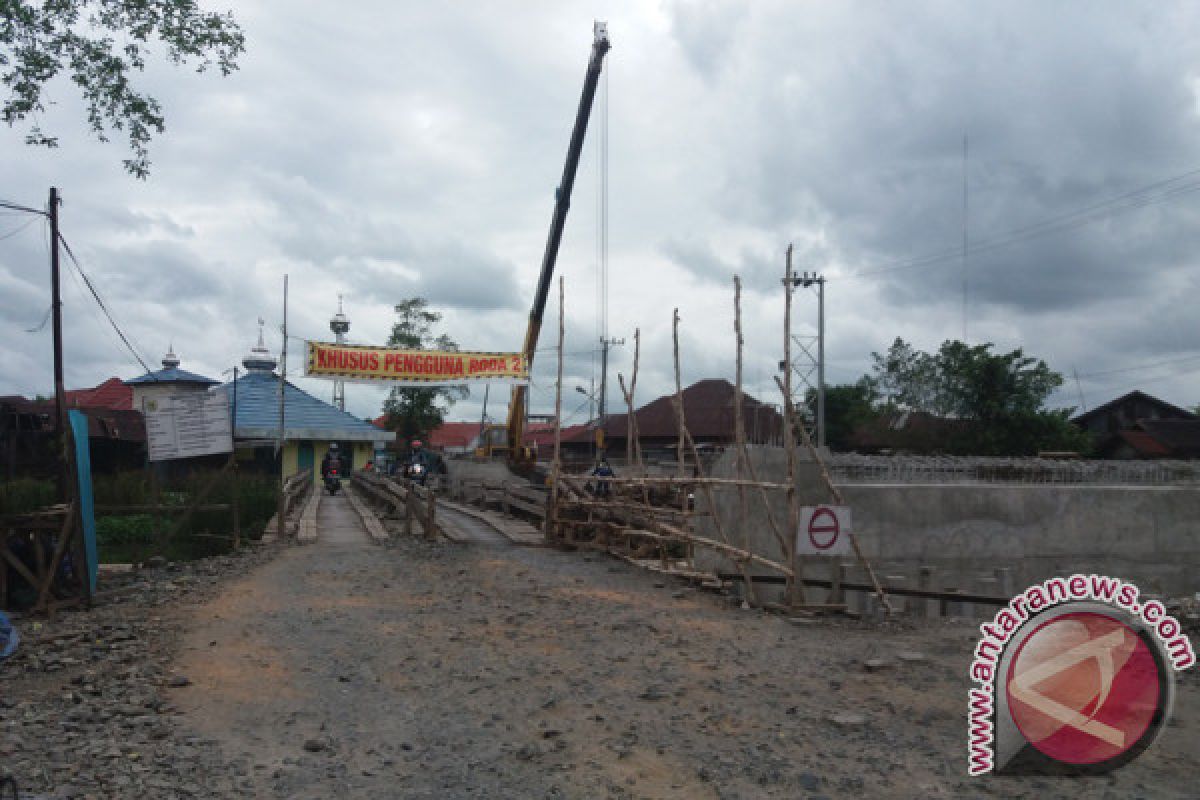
(443, 670)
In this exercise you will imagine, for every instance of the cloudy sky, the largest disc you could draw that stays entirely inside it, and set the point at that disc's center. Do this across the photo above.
(391, 149)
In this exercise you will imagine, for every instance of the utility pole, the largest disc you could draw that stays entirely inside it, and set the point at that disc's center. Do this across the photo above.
(821, 361)
(812, 363)
(60, 392)
(604, 345)
(281, 527)
(483, 420)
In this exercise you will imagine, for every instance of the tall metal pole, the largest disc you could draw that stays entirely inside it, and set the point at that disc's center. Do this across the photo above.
(60, 392)
(821, 362)
(603, 380)
(281, 528)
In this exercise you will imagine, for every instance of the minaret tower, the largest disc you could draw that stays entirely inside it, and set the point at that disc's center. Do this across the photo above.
(339, 325)
(170, 360)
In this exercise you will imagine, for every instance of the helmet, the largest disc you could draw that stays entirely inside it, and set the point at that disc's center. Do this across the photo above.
(333, 446)
(416, 442)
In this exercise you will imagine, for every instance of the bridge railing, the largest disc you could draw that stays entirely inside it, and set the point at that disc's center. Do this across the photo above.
(514, 498)
(412, 501)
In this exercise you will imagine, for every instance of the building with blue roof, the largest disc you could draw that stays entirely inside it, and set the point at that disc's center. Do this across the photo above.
(310, 425)
(170, 380)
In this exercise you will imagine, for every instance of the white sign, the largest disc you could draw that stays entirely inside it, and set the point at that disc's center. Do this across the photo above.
(188, 425)
(824, 531)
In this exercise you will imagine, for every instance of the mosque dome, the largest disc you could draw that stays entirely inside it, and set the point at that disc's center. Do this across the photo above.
(259, 359)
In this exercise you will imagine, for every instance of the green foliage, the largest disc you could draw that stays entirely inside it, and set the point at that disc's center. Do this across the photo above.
(26, 494)
(998, 397)
(907, 378)
(100, 43)
(123, 537)
(846, 408)
(416, 412)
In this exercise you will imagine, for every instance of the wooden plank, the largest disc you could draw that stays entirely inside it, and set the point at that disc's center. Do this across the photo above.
(955, 596)
(64, 539)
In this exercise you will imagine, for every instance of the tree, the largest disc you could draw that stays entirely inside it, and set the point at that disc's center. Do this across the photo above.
(100, 43)
(847, 407)
(907, 378)
(998, 397)
(416, 412)
(985, 386)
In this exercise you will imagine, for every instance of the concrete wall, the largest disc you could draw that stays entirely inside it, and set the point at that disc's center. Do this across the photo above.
(1147, 534)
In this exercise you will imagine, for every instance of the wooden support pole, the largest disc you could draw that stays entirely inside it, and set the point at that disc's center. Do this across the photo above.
(741, 456)
(837, 498)
(795, 590)
(237, 514)
(678, 402)
(551, 526)
(679, 415)
(430, 519)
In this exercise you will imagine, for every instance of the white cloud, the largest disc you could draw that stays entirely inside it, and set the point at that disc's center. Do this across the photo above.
(392, 149)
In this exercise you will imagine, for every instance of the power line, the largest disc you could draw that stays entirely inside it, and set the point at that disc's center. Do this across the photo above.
(1131, 200)
(99, 302)
(1168, 362)
(25, 209)
(17, 230)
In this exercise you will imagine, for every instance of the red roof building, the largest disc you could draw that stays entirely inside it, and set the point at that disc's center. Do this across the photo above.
(113, 395)
(454, 437)
(709, 414)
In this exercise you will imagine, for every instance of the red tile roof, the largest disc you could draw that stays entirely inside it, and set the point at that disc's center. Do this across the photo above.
(542, 435)
(454, 434)
(708, 411)
(1144, 444)
(1179, 438)
(113, 395)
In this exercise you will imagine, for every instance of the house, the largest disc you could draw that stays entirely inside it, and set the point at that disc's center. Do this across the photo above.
(26, 438)
(709, 413)
(113, 395)
(1138, 425)
(310, 425)
(170, 380)
(908, 432)
(116, 433)
(454, 437)
(1157, 438)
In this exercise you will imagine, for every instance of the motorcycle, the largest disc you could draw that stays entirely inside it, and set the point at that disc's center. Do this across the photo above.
(332, 481)
(417, 473)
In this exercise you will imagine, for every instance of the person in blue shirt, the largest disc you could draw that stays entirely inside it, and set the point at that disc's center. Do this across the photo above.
(603, 470)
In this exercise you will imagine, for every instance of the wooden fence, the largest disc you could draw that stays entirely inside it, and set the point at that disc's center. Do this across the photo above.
(410, 500)
(34, 546)
(508, 496)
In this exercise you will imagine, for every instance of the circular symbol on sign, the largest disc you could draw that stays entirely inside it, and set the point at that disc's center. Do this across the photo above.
(1086, 689)
(823, 528)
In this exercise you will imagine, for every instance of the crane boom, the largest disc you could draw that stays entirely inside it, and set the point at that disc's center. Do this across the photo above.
(562, 203)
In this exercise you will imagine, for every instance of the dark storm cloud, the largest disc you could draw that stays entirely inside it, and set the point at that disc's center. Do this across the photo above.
(392, 150)
(860, 133)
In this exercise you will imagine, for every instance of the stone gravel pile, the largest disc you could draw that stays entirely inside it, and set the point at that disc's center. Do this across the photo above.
(85, 703)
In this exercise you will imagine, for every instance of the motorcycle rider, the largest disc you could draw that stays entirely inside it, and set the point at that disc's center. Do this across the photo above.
(331, 463)
(418, 457)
